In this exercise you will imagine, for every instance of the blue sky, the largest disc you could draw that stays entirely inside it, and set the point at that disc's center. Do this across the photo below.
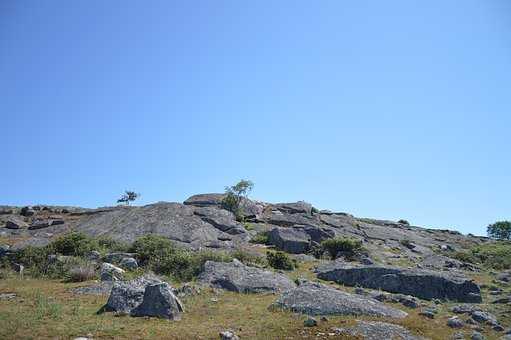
(387, 109)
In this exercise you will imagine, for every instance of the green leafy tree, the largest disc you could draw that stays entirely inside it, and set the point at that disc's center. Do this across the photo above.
(500, 230)
(235, 195)
(127, 197)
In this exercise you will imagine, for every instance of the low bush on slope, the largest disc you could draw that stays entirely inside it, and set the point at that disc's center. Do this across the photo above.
(153, 252)
(495, 255)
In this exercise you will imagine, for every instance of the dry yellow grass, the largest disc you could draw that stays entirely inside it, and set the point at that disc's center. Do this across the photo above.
(45, 309)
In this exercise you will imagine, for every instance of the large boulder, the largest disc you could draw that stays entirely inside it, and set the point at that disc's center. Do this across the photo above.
(377, 330)
(237, 277)
(127, 295)
(424, 284)
(221, 219)
(15, 223)
(159, 301)
(175, 221)
(290, 240)
(313, 298)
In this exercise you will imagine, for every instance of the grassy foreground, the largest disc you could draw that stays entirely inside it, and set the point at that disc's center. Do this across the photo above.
(45, 309)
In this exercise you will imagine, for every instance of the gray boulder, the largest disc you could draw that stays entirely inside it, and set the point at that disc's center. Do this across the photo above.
(228, 335)
(377, 330)
(420, 283)
(109, 272)
(126, 295)
(299, 207)
(117, 257)
(504, 276)
(455, 322)
(221, 219)
(312, 298)
(290, 240)
(128, 263)
(159, 301)
(175, 221)
(40, 224)
(15, 223)
(237, 277)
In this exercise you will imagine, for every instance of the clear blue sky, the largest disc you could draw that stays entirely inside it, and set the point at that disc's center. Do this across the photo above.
(387, 109)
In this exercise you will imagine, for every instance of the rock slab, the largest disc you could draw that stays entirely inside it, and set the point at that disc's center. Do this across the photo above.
(423, 284)
(313, 298)
(237, 277)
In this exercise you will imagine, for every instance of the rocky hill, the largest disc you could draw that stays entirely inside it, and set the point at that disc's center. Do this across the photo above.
(402, 273)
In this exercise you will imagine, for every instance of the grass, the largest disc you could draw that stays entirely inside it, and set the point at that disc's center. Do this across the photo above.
(46, 309)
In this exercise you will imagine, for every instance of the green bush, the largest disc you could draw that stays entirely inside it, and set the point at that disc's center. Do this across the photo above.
(260, 238)
(151, 249)
(160, 255)
(495, 255)
(464, 256)
(248, 258)
(403, 222)
(74, 244)
(185, 265)
(108, 244)
(280, 260)
(341, 245)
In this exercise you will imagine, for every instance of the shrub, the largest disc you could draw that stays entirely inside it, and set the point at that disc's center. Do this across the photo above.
(248, 258)
(403, 222)
(260, 238)
(160, 255)
(152, 249)
(110, 245)
(341, 245)
(464, 256)
(128, 196)
(234, 197)
(280, 260)
(495, 255)
(74, 244)
(185, 265)
(81, 272)
(500, 230)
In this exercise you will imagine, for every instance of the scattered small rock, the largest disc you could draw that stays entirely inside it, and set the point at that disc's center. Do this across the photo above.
(455, 322)
(310, 322)
(228, 335)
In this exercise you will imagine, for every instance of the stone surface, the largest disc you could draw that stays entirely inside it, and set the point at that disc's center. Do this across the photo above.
(221, 219)
(175, 221)
(455, 322)
(15, 223)
(375, 330)
(128, 263)
(109, 272)
(160, 302)
(290, 240)
(310, 322)
(420, 283)
(312, 298)
(228, 335)
(126, 295)
(237, 277)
